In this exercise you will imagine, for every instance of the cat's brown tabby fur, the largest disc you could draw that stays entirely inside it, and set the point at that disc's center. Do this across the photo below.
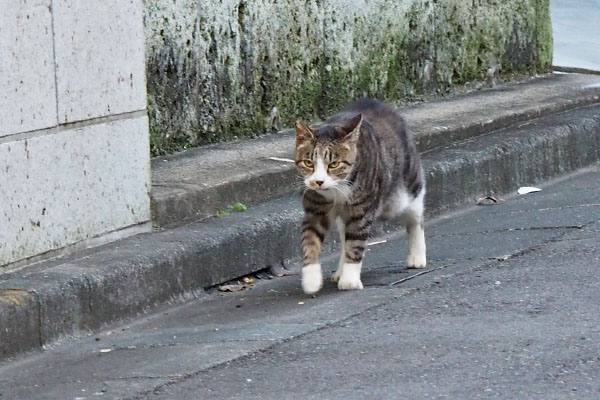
(359, 165)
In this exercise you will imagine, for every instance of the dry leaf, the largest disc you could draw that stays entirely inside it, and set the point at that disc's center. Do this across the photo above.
(232, 288)
(528, 189)
(248, 280)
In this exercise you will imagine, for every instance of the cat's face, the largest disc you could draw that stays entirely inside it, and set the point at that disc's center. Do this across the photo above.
(325, 156)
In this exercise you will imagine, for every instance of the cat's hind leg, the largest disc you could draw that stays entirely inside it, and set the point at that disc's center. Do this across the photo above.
(413, 219)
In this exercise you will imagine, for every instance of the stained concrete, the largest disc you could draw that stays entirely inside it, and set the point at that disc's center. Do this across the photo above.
(74, 143)
(72, 186)
(27, 42)
(217, 68)
(99, 58)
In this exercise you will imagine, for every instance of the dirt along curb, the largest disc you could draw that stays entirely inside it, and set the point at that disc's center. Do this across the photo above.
(87, 291)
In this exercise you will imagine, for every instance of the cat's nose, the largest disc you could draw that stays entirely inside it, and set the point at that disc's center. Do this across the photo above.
(319, 183)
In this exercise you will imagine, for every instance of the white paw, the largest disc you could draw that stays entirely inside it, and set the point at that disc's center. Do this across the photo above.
(416, 261)
(312, 278)
(350, 277)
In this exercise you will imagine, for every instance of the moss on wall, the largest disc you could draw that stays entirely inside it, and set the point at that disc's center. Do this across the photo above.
(217, 68)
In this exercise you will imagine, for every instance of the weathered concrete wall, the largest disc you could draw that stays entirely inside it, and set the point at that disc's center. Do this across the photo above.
(74, 164)
(216, 68)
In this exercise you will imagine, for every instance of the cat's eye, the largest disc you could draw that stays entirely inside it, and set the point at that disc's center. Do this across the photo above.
(334, 164)
(308, 163)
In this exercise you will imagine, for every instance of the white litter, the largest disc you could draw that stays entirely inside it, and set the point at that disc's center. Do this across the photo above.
(528, 189)
(105, 350)
(374, 243)
(282, 159)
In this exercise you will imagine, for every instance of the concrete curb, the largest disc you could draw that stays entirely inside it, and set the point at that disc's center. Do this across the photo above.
(120, 280)
(198, 182)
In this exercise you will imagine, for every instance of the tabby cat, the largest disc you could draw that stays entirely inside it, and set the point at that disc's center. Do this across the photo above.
(359, 165)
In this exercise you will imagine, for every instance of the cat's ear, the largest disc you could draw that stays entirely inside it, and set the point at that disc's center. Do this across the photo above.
(351, 129)
(303, 133)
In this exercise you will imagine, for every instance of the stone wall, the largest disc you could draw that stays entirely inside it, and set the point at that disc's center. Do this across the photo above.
(74, 153)
(216, 68)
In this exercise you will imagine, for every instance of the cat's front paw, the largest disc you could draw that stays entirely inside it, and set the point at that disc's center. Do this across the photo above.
(312, 278)
(350, 277)
(416, 261)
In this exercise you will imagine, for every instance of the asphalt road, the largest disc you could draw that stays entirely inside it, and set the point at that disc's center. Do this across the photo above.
(507, 308)
(576, 33)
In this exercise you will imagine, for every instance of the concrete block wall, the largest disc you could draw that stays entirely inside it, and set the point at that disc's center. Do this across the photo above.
(74, 150)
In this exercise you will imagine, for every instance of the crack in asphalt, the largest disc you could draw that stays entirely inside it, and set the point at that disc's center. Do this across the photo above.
(13, 385)
(505, 230)
(555, 208)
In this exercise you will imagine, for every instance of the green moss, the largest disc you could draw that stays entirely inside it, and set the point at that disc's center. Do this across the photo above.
(543, 27)
(221, 81)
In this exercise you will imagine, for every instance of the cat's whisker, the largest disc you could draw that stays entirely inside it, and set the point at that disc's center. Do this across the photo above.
(344, 194)
(346, 183)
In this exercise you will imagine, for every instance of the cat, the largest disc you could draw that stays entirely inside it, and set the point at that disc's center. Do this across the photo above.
(359, 165)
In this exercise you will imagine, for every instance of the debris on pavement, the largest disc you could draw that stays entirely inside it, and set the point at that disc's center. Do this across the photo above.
(377, 242)
(278, 270)
(528, 189)
(489, 201)
(264, 275)
(287, 160)
(238, 287)
(237, 207)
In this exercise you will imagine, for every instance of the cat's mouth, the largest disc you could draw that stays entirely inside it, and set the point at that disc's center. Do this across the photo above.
(319, 189)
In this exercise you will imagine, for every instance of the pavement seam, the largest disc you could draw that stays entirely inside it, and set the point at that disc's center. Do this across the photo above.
(556, 208)
(529, 228)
